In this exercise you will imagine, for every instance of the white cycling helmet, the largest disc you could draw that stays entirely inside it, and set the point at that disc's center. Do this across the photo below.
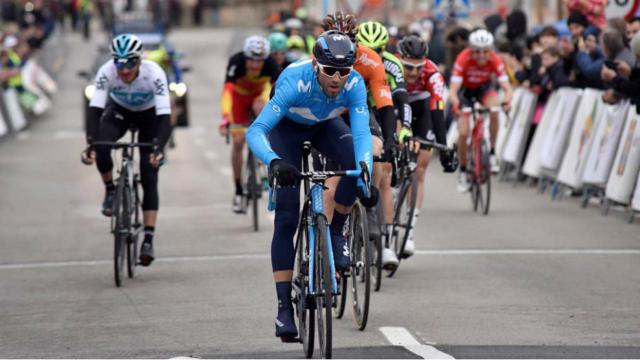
(256, 47)
(481, 39)
(126, 46)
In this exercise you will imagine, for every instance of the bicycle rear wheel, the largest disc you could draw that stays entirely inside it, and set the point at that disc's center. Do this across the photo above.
(253, 190)
(119, 229)
(341, 299)
(484, 183)
(472, 176)
(323, 288)
(404, 209)
(360, 265)
(304, 303)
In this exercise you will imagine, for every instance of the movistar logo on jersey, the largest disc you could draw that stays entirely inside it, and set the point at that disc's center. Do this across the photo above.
(304, 87)
(354, 80)
(133, 98)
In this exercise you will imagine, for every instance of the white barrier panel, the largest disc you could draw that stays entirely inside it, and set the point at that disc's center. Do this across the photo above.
(30, 77)
(4, 129)
(520, 128)
(35, 76)
(14, 111)
(532, 165)
(625, 168)
(555, 142)
(505, 124)
(604, 144)
(586, 118)
(635, 202)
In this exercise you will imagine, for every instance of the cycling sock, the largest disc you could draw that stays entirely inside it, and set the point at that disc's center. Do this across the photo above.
(283, 290)
(238, 187)
(463, 168)
(148, 233)
(388, 236)
(493, 152)
(337, 224)
(414, 220)
(109, 185)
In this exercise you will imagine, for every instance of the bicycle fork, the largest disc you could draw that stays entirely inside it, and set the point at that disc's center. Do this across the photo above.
(318, 210)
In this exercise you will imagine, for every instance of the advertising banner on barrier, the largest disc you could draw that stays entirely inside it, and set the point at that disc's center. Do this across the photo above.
(627, 163)
(604, 144)
(520, 128)
(532, 166)
(557, 136)
(505, 123)
(589, 110)
(14, 111)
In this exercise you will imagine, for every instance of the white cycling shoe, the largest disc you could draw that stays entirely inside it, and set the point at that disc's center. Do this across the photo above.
(389, 259)
(238, 204)
(463, 182)
(409, 248)
(495, 167)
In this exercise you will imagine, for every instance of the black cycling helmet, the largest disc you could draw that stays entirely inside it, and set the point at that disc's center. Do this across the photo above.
(345, 23)
(334, 48)
(413, 47)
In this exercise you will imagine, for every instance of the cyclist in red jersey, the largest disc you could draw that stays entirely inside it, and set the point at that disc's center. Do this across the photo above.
(472, 77)
(426, 90)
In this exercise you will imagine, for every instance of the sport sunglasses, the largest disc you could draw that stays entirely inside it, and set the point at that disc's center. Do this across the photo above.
(331, 71)
(412, 66)
(125, 63)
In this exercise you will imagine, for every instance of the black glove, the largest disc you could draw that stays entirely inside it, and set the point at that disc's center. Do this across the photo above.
(286, 174)
(370, 201)
(449, 161)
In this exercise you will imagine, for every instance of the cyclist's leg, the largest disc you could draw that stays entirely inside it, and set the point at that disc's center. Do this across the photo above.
(490, 100)
(422, 128)
(286, 140)
(463, 133)
(111, 129)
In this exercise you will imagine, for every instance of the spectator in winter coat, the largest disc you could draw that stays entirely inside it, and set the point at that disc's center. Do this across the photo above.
(553, 74)
(614, 48)
(593, 10)
(589, 60)
(633, 26)
(625, 80)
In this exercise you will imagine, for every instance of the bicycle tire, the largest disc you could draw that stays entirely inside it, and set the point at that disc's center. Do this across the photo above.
(323, 288)
(341, 299)
(253, 190)
(406, 195)
(474, 191)
(130, 241)
(360, 266)
(119, 214)
(376, 264)
(484, 185)
(305, 304)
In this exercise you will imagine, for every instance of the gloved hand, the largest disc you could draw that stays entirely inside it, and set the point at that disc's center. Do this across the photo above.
(88, 156)
(223, 128)
(286, 174)
(449, 161)
(403, 133)
(370, 201)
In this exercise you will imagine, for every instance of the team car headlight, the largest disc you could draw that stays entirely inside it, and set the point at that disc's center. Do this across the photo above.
(178, 88)
(89, 91)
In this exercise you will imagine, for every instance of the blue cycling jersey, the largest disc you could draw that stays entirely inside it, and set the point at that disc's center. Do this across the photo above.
(299, 97)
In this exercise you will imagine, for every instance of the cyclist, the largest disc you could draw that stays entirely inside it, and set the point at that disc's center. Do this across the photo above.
(472, 78)
(250, 74)
(369, 65)
(279, 46)
(426, 87)
(308, 99)
(375, 36)
(130, 90)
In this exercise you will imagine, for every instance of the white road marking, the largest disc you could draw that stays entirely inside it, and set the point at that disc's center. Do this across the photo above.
(255, 256)
(399, 336)
(530, 252)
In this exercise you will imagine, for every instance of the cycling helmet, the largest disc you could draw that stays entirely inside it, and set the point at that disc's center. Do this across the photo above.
(373, 35)
(256, 47)
(293, 23)
(334, 48)
(413, 47)
(126, 46)
(344, 23)
(481, 39)
(296, 42)
(278, 41)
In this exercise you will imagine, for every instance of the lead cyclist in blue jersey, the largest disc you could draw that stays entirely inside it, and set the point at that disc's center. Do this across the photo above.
(306, 105)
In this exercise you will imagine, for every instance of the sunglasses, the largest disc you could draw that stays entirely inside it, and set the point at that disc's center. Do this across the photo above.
(125, 63)
(480, 51)
(413, 67)
(331, 71)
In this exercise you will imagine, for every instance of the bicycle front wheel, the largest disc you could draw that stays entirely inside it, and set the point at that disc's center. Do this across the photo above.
(303, 301)
(119, 229)
(403, 215)
(132, 238)
(484, 183)
(253, 189)
(360, 265)
(323, 287)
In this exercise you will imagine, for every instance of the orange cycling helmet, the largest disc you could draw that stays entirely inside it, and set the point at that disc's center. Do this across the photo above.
(344, 23)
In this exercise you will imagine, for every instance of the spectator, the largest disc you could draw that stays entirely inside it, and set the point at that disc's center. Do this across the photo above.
(633, 26)
(552, 70)
(589, 61)
(577, 23)
(614, 48)
(593, 10)
(625, 80)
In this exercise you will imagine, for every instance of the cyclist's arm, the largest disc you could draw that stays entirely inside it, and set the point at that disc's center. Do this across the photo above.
(268, 118)
(382, 96)
(457, 78)
(359, 118)
(436, 87)
(503, 78)
(98, 101)
(163, 106)
(399, 93)
(232, 74)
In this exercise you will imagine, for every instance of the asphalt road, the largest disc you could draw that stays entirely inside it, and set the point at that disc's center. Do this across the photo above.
(533, 279)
